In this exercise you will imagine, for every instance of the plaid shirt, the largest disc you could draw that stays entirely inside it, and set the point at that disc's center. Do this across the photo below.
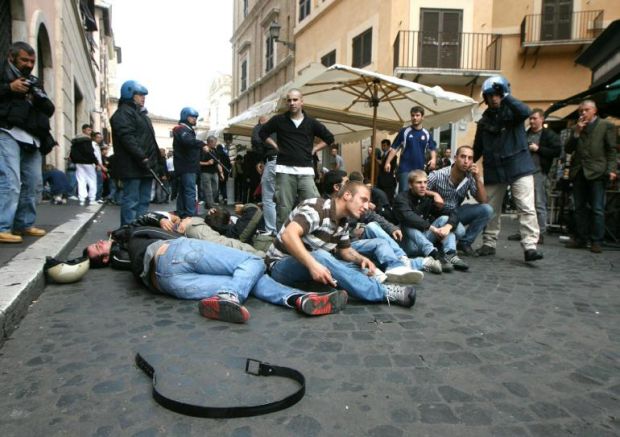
(439, 181)
(321, 229)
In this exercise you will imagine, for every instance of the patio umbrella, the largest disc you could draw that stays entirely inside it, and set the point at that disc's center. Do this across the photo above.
(346, 94)
(354, 103)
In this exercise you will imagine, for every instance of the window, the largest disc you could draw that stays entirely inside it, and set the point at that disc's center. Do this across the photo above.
(304, 9)
(362, 49)
(245, 8)
(243, 77)
(269, 53)
(329, 59)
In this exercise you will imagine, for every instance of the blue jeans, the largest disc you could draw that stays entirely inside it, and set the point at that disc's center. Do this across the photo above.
(186, 196)
(374, 230)
(416, 242)
(136, 198)
(196, 269)
(350, 277)
(589, 198)
(268, 188)
(21, 181)
(379, 251)
(99, 184)
(475, 217)
(403, 181)
(72, 178)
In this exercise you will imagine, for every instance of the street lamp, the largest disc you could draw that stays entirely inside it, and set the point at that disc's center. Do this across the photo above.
(274, 33)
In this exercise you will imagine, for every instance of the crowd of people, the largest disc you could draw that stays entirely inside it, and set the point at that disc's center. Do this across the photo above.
(302, 247)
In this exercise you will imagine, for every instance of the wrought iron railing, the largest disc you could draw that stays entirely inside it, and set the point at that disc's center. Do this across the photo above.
(561, 28)
(447, 50)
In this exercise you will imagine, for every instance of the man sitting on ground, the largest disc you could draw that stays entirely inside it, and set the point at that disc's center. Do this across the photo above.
(315, 232)
(424, 225)
(453, 184)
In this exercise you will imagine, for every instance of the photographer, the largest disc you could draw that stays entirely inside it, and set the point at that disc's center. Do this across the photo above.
(25, 135)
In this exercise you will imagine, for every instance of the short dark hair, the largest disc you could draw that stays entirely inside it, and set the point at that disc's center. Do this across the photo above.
(15, 48)
(332, 178)
(386, 141)
(86, 125)
(97, 262)
(356, 176)
(416, 109)
(538, 111)
(352, 187)
(218, 219)
(464, 146)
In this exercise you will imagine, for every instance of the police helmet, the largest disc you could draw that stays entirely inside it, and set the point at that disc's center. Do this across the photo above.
(496, 85)
(66, 272)
(131, 87)
(188, 112)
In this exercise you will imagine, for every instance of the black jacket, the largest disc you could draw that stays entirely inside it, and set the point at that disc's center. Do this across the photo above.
(82, 151)
(30, 112)
(134, 140)
(501, 140)
(186, 149)
(418, 212)
(295, 143)
(550, 147)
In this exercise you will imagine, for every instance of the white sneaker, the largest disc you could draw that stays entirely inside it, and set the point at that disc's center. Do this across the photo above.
(406, 261)
(404, 275)
(380, 276)
(432, 265)
(81, 203)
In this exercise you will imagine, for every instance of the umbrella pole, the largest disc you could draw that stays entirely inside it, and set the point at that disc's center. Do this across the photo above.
(373, 139)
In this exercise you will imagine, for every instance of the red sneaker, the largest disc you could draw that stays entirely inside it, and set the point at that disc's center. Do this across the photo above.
(318, 304)
(224, 307)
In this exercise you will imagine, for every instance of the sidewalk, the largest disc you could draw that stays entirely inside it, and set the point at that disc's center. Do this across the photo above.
(21, 265)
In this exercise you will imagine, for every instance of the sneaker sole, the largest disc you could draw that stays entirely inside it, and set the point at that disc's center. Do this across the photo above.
(321, 304)
(412, 277)
(224, 310)
(460, 267)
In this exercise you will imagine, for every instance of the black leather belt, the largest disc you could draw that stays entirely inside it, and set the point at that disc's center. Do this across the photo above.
(253, 367)
(270, 158)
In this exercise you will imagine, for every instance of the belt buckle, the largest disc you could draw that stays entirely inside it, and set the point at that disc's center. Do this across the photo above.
(252, 366)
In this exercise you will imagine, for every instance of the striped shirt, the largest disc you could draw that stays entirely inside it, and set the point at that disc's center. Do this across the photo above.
(439, 181)
(321, 229)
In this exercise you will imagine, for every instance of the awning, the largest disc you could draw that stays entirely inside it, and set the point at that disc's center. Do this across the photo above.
(606, 96)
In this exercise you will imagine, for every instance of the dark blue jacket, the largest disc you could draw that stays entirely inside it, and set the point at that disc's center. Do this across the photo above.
(186, 149)
(502, 142)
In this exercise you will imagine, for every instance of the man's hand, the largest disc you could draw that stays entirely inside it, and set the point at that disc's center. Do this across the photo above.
(19, 85)
(358, 232)
(613, 176)
(397, 235)
(444, 231)
(533, 147)
(321, 274)
(166, 225)
(580, 126)
(431, 164)
(387, 167)
(369, 265)
(183, 225)
(475, 171)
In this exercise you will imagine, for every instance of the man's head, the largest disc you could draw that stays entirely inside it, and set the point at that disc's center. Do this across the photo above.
(385, 144)
(188, 115)
(99, 253)
(217, 218)
(134, 91)
(87, 130)
(263, 119)
(356, 198)
(295, 102)
(587, 110)
(97, 137)
(417, 182)
(537, 119)
(417, 116)
(464, 158)
(333, 181)
(22, 56)
(212, 141)
(447, 153)
(494, 89)
(333, 150)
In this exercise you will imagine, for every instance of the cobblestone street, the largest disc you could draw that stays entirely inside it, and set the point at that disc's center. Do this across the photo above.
(505, 349)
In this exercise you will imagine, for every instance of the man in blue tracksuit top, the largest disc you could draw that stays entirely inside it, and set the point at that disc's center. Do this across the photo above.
(414, 141)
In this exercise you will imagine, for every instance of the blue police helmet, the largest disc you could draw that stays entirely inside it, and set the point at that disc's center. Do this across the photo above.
(495, 85)
(188, 112)
(131, 87)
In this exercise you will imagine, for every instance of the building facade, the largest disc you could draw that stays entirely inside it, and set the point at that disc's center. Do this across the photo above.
(455, 44)
(74, 44)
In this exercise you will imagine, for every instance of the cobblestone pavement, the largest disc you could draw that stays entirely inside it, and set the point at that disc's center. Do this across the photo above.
(505, 350)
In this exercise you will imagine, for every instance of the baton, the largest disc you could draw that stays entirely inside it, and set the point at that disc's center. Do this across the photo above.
(161, 184)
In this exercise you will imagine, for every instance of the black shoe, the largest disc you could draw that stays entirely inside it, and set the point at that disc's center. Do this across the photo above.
(446, 265)
(532, 255)
(457, 262)
(541, 239)
(485, 250)
(514, 237)
(466, 250)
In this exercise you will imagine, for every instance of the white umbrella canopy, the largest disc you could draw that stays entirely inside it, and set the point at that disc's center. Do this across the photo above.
(354, 103)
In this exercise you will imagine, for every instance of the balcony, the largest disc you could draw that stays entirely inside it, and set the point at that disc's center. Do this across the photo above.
(561, 30)
(446, 58)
